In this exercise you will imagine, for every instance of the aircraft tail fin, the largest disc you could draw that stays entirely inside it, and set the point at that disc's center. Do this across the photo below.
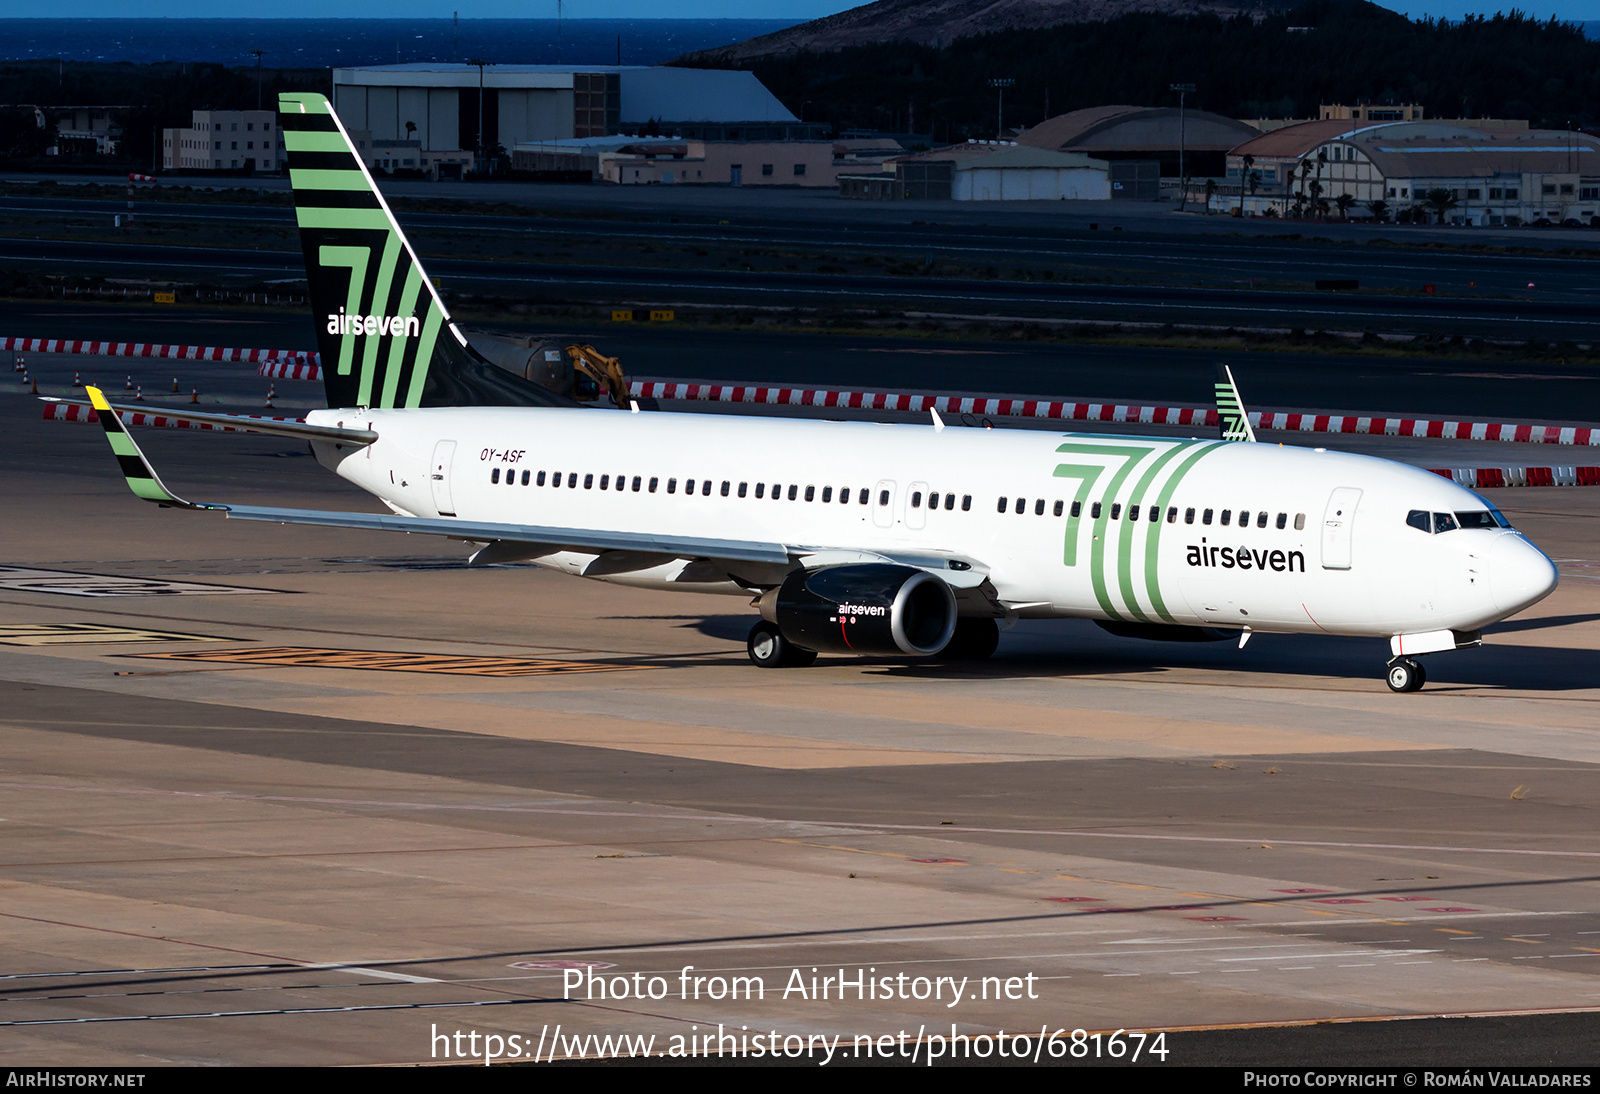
(386, 338)
(1230, 408)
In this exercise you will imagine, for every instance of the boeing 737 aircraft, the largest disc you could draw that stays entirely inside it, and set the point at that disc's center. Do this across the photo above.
(856, 538)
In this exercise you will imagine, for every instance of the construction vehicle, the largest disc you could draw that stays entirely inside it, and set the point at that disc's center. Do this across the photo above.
(578, 370)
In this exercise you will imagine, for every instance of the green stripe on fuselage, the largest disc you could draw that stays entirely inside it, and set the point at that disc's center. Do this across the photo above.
(1153, 541)
(1125, 547)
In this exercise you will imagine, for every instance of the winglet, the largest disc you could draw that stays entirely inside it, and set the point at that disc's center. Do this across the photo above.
(142, 478)
(1230, 408)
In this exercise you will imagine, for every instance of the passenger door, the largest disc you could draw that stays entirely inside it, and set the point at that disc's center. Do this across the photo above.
(444, 454)
(1338, 522)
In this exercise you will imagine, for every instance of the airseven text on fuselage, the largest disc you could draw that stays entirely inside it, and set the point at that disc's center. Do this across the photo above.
(343, 324)
(1245, 558)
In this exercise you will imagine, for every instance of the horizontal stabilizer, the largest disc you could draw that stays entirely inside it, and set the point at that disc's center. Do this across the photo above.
(247, 424)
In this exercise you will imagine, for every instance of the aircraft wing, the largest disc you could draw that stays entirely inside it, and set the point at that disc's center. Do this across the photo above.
(530, 540)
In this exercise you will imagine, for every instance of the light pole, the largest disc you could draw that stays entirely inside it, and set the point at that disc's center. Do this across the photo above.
(258, 53)
(1183, 179)
(482, 64)
(1000, 84)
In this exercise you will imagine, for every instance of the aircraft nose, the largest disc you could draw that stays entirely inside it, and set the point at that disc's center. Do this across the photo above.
(1519, 574)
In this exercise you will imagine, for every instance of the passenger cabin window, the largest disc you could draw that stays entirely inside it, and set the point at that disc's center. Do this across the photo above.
(726, 486)
(1001, 508)
(1299, 522)
(636, 481)
(1155, 514)
(1058, 508)
(866, 495)
(883, 497)
(1038, 508)
(1188, 516)
(1022, 503)
(1227, 515)
(1133, 512)
(572, 480)
(540, 480)
(1172, 515)
(793, 492)
(672, 486)
(1077, 509)
(494, 474)
(761, 490)
(1094, 511)
(705, 488)
(1205, 518)
(1116, 510)
(525, 476)
(1283, 520)
(743, 487)
(605, 482)
(966, 502)
(916, 499)
(1261, 519)
(653, 483)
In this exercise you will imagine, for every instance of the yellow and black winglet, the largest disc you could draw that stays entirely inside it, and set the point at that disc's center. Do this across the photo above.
(1235, 420)
(142, 478)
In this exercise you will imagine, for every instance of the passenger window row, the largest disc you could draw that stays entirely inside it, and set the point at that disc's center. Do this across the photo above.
(1436, 522)
(1152, 514)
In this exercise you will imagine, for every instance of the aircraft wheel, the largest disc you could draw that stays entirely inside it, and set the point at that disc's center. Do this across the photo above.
(973, 640)
(769, 649)
(1406, 675)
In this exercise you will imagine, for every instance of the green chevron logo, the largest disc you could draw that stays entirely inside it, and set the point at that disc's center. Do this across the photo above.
(1124, 522)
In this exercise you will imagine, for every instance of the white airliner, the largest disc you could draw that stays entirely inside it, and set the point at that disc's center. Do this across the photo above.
(854, 537)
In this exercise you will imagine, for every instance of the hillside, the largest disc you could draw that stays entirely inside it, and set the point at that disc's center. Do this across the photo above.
(938, 22)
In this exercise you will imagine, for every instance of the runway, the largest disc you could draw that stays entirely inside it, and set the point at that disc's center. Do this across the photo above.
(327, 795)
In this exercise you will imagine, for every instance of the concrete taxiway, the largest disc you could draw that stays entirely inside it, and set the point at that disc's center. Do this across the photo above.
(328, 794)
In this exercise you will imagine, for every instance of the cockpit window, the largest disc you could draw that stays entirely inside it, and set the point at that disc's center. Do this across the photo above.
(1444, 522)
(1478, 519)
(1420, 519)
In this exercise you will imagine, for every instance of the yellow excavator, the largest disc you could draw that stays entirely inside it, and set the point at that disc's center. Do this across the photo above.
(578, 370)
(605, 372)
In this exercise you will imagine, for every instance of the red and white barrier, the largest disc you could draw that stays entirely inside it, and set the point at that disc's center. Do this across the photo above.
(83, 412)
(1487, 478)
(950, 404)
(1300, 422)
(288, 370)
(147, 349)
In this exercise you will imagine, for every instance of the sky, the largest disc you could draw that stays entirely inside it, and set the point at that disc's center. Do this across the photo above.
(798, 10)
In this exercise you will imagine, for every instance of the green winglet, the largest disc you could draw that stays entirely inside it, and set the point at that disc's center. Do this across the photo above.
(1230, 408)
(142, 478)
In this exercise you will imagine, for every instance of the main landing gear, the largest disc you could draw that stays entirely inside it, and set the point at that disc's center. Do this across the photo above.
(1406, 674)
(769, 649)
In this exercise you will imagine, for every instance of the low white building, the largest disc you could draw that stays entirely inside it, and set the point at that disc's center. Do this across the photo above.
(225, 140)
(986, 171)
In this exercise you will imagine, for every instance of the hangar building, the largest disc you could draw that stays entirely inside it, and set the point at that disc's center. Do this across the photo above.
(438, 105)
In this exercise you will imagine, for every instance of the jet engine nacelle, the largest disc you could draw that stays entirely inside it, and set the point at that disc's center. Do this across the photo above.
(872, 608)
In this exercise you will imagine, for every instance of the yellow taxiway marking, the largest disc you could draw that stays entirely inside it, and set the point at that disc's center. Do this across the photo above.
(390, 661)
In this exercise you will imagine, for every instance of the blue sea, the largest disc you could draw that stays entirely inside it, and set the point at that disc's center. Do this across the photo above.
(324, 43)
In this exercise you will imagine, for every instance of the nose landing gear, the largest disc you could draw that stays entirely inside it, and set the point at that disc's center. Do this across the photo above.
(1406, 674)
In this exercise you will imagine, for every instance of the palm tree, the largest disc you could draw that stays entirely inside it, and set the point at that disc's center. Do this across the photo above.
(1344, 202)
(1315, 192)
(1440, 201)
(1245, 173)
(1379, 209)
(1211, 190)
